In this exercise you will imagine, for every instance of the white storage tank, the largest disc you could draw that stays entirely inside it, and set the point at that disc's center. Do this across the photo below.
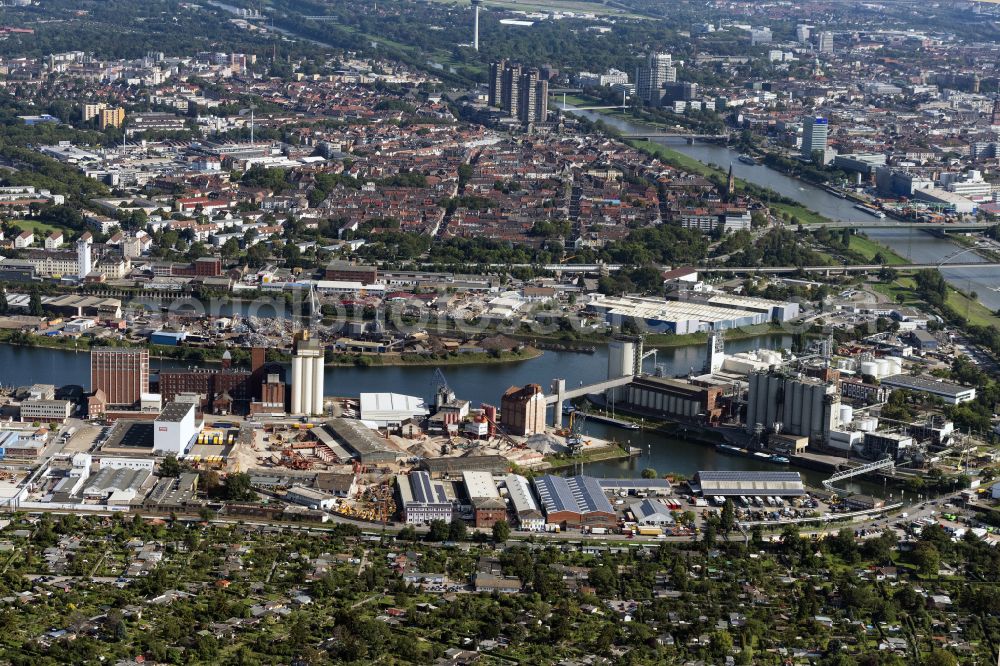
(883, 368)
(769, 356)
(896, 365)
(846, 414)
(868, 424)
(869, 368)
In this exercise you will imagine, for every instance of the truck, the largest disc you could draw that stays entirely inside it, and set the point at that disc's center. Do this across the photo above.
(599, 530)
(648, 530)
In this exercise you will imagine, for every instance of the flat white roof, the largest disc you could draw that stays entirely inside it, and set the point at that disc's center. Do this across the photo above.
(391, 406)
(661, 310)
(480, 485)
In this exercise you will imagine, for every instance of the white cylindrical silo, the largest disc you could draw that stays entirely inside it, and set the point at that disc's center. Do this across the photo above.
(896, 364)
(621, 358)
(869, 368)
(884, 368)
(869, 424)
(307, 386)
(846, 414)
(297, 384)
(317, 391)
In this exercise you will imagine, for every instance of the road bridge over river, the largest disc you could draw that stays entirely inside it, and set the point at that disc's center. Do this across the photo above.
(833, 270)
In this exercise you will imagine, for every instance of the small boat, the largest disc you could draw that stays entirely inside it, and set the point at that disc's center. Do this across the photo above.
(746, 159)
(781, 460)
(631, 426)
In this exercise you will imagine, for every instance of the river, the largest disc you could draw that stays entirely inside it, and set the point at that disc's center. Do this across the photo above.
(479, 384)
(918, 246)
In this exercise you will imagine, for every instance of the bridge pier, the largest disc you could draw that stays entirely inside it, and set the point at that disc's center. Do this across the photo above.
(559, 389)
(690, 141)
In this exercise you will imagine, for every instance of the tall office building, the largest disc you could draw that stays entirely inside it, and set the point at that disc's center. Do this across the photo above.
(307, 376)
(995, 116)
(652, 75)
(802, 33)
(122, 374)
(824, 42)
(510, 85)
(496, 82)
(814, 136)
(533, 97)
(520, 93)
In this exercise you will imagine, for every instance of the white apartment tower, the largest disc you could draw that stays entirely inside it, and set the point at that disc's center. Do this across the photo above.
(824, 42)
(652, 75)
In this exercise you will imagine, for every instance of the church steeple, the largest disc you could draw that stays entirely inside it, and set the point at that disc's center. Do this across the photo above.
(730, 184)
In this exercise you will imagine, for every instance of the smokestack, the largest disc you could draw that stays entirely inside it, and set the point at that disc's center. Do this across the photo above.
(475, 24)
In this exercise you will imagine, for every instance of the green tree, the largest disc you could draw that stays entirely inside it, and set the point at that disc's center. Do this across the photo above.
(438, 531)
(170, 466)
(4, 305)
(501, 531)
(230, 249)
(457, 530)
(238, 488)
(940, 658)
(649, 473)
(887, 274)
(720, 644)
(35, 304)
(927, 558)
(728, 521)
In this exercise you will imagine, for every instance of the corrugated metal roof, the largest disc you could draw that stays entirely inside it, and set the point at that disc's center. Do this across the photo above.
(579, 494)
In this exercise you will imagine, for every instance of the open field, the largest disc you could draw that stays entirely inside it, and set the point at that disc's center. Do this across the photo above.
(803, 214)
(974, 311)
(40, 229)
(679, 159)
(869, 248)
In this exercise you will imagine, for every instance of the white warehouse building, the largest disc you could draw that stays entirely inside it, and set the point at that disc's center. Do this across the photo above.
(175, 429)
